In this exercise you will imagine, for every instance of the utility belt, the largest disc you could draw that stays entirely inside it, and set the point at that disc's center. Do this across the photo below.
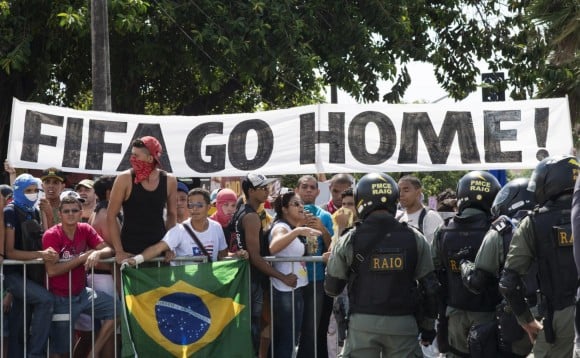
(491, 339)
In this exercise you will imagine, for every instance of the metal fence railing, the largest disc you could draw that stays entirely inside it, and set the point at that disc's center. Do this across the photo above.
(92, 280)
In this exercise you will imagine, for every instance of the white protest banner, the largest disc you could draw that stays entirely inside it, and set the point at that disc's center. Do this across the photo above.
(310, 139)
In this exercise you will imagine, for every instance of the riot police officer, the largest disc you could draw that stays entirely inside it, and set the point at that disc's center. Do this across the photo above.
(386, 265)
(512, 203)
(460, 240)
(545, 236)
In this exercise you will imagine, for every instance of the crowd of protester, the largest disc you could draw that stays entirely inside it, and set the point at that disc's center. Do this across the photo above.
(145, 212)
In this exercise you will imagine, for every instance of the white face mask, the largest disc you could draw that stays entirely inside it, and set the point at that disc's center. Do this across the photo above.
(32, 197)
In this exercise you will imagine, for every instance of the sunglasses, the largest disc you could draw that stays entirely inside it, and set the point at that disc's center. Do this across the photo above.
(70, 211)
(197, 205)
(296, 203)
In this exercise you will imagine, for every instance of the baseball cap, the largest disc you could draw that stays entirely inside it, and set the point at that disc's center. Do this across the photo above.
(181, 186)
(213, 196)
(153, 146)
(253, 181)
(87, 183)
(52, 173)
(72, 194)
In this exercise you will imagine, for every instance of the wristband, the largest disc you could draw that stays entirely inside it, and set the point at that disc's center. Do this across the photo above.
(138, 259)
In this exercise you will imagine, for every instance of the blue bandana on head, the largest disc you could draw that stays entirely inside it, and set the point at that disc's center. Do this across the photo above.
(22, 182)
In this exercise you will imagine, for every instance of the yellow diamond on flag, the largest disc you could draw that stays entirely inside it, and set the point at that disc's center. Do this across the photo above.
(182, 318)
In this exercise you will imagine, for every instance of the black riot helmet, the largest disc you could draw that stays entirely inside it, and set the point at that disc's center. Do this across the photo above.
(513, 197)
(477, 189)
(376, 191)
(553, 176)
(6, 191)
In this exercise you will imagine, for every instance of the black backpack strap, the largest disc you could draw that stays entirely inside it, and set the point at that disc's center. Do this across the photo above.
(194, 237)
(422, 218)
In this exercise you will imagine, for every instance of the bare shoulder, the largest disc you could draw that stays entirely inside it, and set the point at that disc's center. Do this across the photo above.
(171, 179)
(123, 179)
(121, 187)
(252, 219)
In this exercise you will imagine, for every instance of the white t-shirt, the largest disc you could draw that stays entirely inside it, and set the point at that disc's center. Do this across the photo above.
(431, 222)
(294, 249)
(180, 242)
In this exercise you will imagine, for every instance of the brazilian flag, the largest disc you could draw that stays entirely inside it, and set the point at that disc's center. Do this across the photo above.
(187, 311)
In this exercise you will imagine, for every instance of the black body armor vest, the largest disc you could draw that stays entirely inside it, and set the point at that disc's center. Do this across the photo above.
(384, 283)
(461, 239)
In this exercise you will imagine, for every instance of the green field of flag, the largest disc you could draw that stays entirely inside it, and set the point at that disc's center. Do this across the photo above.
(187, 311)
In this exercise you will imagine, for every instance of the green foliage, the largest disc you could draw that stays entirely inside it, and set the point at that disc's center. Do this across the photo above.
(436, 182)
(215, 56)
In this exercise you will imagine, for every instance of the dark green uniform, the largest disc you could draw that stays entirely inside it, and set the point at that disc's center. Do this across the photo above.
(459, 320)
(394, 335)
(491, 259)
(520, 256)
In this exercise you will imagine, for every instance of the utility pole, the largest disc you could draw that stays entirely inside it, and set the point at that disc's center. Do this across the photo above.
(493, 94)
(101, 72)
(333, 94)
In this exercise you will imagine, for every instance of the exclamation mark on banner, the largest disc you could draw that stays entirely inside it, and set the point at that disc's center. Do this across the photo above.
(541, 127)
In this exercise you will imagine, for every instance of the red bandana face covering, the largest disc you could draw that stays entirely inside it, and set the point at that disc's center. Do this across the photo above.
(220, 216)
(142, 169)
(331, 207)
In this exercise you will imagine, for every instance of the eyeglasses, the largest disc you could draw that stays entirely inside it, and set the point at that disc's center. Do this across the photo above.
(70, 211)
(296, 203)
(196, 204)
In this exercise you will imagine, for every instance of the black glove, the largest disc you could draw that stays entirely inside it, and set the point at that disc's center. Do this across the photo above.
(427, 336)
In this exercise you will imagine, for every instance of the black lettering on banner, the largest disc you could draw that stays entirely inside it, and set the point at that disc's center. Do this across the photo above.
(438, 147)
(309, 137)
(72, 143)
(493, 136)
(541, 120)
(33, 138)
(146, 129)
(357, 138)
(192, 149)
(237, 144)
(97, 146)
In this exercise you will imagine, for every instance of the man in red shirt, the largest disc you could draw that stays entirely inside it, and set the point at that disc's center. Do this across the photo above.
(80, 248)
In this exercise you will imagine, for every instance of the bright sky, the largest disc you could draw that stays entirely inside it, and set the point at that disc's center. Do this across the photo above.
(423, 87)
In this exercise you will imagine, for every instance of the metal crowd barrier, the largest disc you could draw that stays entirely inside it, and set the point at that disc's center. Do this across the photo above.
(115, 273)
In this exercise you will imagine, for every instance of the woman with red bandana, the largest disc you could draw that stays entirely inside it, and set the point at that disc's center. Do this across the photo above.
(143, 192)
(225, 203)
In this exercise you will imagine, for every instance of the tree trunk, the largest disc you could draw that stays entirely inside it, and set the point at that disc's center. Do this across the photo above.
(101, 73)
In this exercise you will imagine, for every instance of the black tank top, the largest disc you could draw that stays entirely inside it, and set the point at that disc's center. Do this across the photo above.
(143, 223)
